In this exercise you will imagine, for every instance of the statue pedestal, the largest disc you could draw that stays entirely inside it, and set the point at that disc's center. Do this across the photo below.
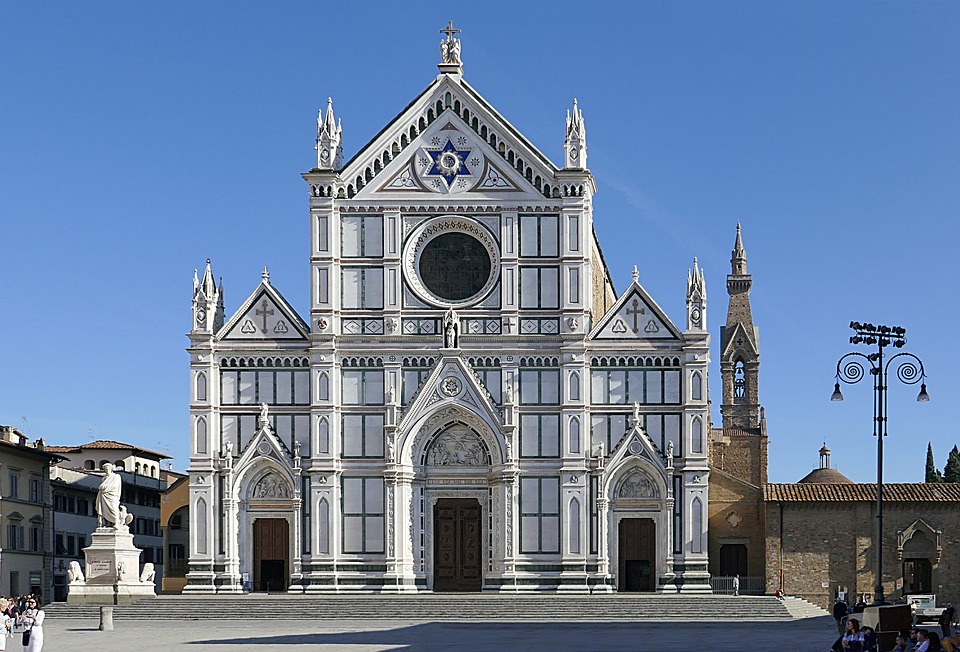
(112, 571)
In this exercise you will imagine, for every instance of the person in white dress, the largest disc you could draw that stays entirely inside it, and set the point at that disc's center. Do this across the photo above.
(6, 623)
(32, 620)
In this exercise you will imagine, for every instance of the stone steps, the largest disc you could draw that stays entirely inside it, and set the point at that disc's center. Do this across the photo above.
(453, 607)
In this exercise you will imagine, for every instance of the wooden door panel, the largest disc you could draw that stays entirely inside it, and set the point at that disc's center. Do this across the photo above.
(637, 554)
(271, 546)
(458, 557)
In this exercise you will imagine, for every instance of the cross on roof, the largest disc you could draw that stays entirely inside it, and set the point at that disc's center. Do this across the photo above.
(450, 30)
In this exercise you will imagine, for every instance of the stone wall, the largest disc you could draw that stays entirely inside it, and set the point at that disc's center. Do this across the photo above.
(812, 544)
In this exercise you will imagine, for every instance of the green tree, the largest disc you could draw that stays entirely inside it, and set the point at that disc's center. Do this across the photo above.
(951, 472)
(932, 473)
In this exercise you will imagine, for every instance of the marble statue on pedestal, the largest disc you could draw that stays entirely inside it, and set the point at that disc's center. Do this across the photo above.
(108, 499)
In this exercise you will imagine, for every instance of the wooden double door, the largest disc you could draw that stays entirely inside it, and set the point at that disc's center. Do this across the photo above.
(636, 554)
(457, 553)
(271, 551)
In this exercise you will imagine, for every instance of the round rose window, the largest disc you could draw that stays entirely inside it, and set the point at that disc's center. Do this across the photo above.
(451, 261)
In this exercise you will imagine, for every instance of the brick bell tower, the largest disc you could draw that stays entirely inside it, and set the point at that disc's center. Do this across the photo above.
(744, 425)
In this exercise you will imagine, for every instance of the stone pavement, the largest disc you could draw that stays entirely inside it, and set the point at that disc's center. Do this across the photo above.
(260, 633)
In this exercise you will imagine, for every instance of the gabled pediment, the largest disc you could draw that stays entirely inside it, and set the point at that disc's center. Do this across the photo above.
(635, 468)
(452, 382)
(450, 141)
(738, 340)
(264, 444)
(265, 315)
(635, 316)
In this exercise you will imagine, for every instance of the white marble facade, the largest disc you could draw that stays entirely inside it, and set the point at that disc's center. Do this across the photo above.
(464, 345)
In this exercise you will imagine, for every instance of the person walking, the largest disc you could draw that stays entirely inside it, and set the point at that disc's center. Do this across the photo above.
(736, 584)
(946, 619)
(839, 613)
(32, 620)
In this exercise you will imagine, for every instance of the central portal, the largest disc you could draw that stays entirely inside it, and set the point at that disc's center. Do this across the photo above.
(271, 543)
(637, 554)
(457, 553)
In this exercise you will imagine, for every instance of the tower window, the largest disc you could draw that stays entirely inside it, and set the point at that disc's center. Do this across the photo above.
(739, 383)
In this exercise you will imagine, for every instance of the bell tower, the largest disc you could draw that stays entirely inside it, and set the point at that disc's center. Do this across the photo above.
(740, 348)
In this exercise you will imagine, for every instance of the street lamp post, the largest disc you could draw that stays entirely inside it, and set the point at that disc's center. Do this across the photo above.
(909, 371)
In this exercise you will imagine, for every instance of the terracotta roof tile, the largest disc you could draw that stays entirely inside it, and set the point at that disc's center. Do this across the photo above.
(826, 476)
(920, 492)
(108, 445)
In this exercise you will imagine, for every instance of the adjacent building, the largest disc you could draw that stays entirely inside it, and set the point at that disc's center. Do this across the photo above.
(468, 404)
(26, 517)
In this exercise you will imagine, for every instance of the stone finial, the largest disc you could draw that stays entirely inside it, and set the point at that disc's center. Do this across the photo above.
(636, 274)
(450, 62)
(265, 275)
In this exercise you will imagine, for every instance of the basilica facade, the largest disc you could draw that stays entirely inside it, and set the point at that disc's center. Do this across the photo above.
(469, 405)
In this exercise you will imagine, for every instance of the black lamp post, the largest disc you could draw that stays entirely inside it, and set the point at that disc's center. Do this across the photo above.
(909, 371)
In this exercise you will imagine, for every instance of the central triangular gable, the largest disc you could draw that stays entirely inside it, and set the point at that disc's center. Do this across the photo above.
(635, 316)
(265, 315)
(450, 141)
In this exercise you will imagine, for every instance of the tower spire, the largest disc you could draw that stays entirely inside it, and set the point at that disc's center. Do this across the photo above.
(738, 259)
(329, 139)
(575, 141)
(740, 347)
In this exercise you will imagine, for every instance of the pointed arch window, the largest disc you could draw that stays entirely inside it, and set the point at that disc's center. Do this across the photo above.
(696, 386)
(574, 435)
(574, 386)
(323, 435)
(696, 526)
(201, 435)
(201, 526)
(323, 387)
(696, 434)
(739, 383)
(201, 386)
(574, 521)
(323, 522)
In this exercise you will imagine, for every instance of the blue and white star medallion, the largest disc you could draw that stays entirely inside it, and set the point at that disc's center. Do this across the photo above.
(451, 163)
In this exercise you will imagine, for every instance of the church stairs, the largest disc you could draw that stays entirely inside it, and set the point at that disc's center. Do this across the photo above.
(450, 607)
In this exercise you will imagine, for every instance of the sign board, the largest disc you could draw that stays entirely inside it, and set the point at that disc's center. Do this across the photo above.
(36, 578)
(825, 585)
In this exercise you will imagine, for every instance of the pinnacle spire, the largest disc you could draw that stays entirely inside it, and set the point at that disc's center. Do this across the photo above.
(738, 260)
(265, 275)
(636, 274)
(329, 139)
(575, 140)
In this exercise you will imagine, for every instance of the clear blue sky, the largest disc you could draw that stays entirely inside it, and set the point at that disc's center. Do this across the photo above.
(139, 139)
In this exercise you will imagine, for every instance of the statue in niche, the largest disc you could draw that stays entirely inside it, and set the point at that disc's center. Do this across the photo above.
(270, 487)
(451, 329)
(508, 391)
(637, 486)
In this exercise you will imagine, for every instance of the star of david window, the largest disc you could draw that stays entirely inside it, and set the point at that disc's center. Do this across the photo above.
(449, 162)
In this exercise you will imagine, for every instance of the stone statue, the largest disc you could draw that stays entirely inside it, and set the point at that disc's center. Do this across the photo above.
(392, 394)
(75, 573)
(636, 414)
(108, 499)
(124, 519)
(508, 391)
(148, 573)
(450, 50)
(451, 329)
(296, 449)
(670, 449)
(264, 416)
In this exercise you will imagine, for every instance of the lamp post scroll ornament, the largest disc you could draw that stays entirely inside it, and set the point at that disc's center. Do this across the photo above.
(851, 369)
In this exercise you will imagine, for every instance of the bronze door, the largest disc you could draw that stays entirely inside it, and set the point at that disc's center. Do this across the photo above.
(457, 554)
(637, 554)
(271, 545)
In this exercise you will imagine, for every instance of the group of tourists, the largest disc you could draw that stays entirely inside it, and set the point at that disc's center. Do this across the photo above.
(22, 615)
(857, 638)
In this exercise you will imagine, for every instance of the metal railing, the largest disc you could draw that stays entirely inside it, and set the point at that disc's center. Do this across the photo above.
(749, 585)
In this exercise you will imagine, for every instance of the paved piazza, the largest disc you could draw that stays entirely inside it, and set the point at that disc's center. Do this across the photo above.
(808, 635)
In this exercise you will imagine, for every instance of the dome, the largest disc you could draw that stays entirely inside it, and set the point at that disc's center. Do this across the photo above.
(826, 476)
